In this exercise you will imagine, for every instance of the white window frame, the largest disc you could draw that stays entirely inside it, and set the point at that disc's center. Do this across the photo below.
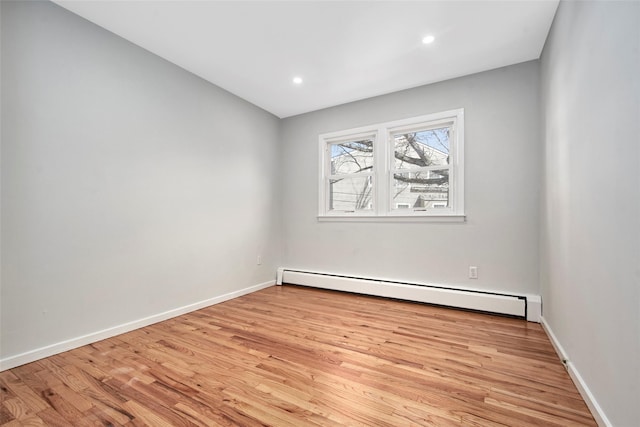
(381, 134)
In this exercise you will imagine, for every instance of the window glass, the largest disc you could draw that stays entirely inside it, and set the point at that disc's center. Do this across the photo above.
(350, 194)
(422, 148)
(351, 157)
(421, 189)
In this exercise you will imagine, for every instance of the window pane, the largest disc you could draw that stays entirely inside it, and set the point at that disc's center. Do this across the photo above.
(422, 148)
(351, 157)
(421, 190)
(350, 194)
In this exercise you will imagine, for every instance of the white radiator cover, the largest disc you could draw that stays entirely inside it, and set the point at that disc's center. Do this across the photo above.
(525, 306)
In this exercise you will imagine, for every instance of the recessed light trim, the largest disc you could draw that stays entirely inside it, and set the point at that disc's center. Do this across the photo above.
(428, 39)
(297, 80)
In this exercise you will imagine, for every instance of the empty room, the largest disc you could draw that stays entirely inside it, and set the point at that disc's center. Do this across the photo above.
(320, 213)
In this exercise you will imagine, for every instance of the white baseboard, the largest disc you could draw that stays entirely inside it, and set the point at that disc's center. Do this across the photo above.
(581, 385)
(50, 350)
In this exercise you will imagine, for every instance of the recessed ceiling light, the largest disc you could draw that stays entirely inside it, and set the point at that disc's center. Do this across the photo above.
(297, 80)
(428, 39)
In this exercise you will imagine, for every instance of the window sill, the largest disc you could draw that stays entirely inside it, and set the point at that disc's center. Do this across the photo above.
(392, 218)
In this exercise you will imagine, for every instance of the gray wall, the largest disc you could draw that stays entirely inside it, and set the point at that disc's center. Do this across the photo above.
(590, 233)
(502, 155)
(129, 186)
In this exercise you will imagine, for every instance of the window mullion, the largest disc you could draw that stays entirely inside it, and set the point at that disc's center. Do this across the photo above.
(381, 168)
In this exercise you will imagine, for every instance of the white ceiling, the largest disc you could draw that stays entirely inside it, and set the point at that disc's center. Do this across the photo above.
(344, 50)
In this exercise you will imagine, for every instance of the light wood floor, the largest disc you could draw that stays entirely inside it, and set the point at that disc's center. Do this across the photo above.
(293, 356)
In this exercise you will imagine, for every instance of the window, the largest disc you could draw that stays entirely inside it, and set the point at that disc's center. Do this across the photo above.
(409, 168)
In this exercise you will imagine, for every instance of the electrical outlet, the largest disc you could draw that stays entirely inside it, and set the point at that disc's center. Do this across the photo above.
(259, 261)
(473, 272)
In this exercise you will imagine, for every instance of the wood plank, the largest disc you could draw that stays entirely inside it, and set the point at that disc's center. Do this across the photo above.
(32, 400)
(295, 356)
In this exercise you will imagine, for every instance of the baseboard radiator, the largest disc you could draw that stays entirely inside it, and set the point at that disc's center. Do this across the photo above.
(524, 306)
